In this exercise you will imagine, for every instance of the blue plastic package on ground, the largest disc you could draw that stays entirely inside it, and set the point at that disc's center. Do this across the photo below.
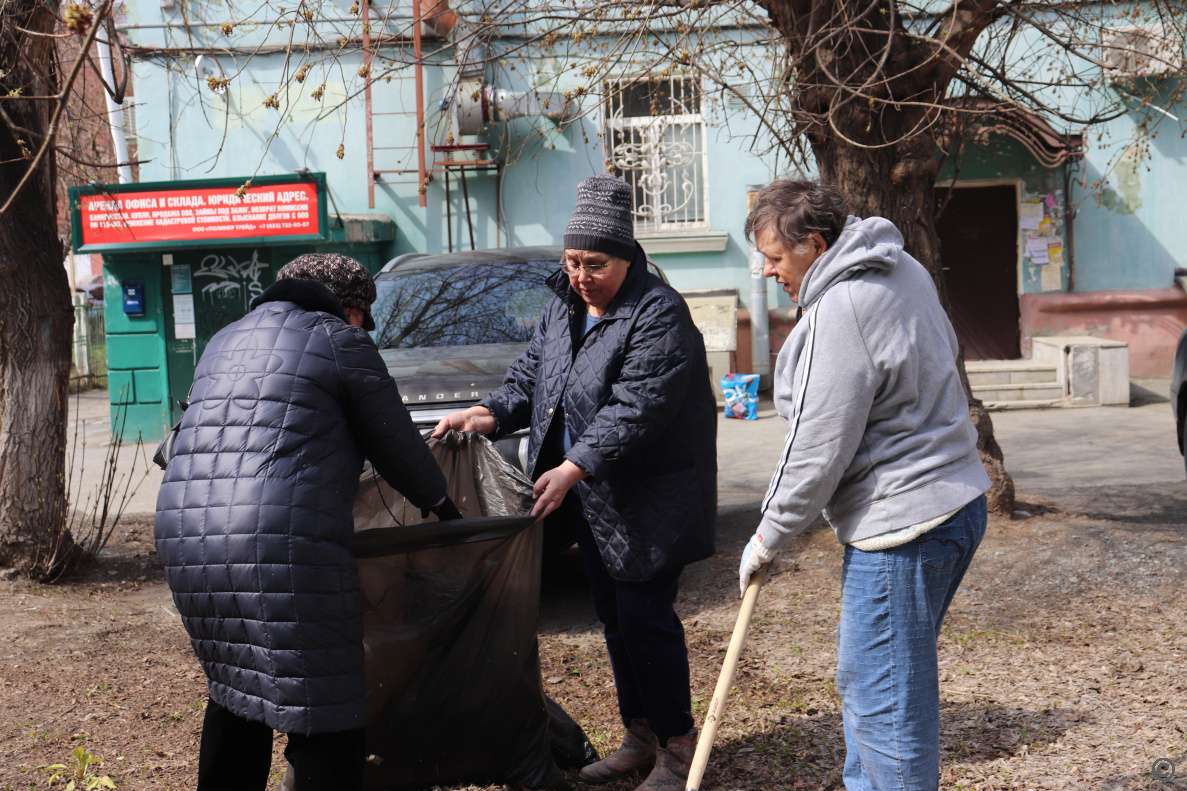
(741, 395)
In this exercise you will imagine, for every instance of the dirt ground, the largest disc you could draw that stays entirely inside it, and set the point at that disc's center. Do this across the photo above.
(1060, 659)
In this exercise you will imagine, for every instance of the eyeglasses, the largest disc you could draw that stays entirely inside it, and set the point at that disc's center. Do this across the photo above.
(597, 270)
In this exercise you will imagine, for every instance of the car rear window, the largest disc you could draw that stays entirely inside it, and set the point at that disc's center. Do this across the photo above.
(462, 305)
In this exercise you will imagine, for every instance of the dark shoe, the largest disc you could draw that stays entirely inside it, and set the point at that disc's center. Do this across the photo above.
(636, 755)
(672, 764)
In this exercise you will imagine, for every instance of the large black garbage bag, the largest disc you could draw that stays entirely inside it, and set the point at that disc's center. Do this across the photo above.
(454, 694)
(571, 748)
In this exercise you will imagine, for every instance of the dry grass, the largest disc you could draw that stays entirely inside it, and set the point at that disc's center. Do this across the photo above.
(1061, 660)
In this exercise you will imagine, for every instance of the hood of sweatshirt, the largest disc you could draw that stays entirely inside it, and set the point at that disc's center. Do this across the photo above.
(872, 243)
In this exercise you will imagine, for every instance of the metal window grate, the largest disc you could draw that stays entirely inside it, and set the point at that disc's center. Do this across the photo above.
(654, 138)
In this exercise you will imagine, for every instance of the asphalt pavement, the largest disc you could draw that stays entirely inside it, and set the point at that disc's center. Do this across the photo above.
(1049, 449)
(1046, 450)
(90, 455)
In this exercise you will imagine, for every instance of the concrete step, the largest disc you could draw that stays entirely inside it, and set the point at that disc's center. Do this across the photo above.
(1019, 393)
(1009, 372)
(1002, 406)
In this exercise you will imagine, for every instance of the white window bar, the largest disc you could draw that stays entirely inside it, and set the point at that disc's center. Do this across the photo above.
(654, 139)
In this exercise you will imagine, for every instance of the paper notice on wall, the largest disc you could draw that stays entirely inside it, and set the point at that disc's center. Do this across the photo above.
(1030, 216)
(183, 308)
(183, 316)
(181, 279)
(1051, 277)
(1036, 250)
(1055, 252)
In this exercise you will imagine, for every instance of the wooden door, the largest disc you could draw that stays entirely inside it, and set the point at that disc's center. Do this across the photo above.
(979, 249)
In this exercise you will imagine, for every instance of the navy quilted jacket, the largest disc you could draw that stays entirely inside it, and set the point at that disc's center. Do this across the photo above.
(641, 417)
(254, 518)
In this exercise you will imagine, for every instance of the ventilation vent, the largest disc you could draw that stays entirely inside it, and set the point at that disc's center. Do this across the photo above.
(1141, 51)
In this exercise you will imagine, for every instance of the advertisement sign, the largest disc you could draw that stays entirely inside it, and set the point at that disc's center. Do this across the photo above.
(110, 218)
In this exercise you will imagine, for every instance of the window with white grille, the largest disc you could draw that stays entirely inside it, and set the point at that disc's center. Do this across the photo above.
(655, 141)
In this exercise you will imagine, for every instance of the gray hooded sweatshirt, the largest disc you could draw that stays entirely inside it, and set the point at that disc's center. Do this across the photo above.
(879, 432)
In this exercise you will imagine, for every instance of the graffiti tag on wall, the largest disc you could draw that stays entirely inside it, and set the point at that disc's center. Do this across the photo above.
(226, 278)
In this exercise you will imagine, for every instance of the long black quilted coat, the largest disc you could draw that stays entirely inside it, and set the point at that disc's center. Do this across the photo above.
(254, 513)
(641, 417)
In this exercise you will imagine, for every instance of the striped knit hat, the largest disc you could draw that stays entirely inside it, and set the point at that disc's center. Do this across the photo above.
(347, 278)
(602, 220)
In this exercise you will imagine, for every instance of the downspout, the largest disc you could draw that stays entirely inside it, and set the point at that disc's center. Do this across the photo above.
(115, 113)
(760, 327)
(1069, 212)
(760, 318)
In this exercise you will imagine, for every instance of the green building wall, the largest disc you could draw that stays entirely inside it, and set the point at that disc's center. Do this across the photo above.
(137, 382)
(138, 378)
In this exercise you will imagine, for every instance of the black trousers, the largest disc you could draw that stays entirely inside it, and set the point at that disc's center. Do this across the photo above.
(236, 755)
(644, 638)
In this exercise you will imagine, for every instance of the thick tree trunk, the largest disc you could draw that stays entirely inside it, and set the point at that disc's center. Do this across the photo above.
(898, 182)
(36, 318)
(868, 96)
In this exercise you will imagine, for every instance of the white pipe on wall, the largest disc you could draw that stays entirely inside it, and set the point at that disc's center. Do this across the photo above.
(760, 330)
(115, 114)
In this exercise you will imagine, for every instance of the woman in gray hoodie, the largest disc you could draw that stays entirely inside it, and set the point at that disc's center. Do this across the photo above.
(879, 438)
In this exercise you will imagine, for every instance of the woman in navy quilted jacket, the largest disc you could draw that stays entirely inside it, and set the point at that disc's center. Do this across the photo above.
(254, 523)
(615, 388)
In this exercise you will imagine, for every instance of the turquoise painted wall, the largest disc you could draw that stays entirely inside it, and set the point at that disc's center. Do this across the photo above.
(538, 186)
(1127, 198)
(1128, 232)
(137, 382)
(1131, 233)
(1004, 159)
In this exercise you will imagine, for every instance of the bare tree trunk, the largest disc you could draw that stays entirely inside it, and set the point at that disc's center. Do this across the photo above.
(898, 182)
(36, 319)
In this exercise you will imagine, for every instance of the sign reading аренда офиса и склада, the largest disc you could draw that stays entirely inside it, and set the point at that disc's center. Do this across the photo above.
(178, 212)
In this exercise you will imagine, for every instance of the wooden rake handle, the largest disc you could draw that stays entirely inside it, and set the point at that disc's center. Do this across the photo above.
(700, 758)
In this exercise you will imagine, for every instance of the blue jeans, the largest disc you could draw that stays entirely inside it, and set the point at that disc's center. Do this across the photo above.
(892, 607)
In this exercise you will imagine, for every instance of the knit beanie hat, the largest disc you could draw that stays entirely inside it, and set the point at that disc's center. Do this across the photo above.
(347, 278)
(602, 220)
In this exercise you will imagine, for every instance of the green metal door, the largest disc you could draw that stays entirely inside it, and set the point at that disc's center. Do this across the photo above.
(204, 292)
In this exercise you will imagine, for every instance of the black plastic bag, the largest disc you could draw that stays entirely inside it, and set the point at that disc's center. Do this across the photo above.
(571, 748)
(454, 694)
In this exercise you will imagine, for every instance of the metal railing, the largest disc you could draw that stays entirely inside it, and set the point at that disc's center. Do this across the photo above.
(655, 141)
(89, 359)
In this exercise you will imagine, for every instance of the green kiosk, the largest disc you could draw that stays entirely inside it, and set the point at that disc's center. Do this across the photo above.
(182, 259)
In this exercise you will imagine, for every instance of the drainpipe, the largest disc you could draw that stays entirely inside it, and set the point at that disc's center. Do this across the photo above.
(760, 330)
(1069, 213)
(760, 326)
(115, 114)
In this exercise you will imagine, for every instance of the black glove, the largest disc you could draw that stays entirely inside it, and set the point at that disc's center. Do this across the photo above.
(444, 512)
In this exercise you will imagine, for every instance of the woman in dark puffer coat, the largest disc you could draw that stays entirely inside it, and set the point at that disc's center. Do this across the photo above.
(615, 387)
(254, 523)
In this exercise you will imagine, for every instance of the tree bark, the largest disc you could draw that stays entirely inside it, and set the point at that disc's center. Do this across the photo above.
(867, 96)
(36, 317)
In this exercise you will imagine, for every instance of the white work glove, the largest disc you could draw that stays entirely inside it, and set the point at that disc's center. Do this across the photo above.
(753, 557)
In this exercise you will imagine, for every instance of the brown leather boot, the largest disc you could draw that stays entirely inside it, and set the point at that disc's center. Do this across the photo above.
(672, 764)
(636, 755)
